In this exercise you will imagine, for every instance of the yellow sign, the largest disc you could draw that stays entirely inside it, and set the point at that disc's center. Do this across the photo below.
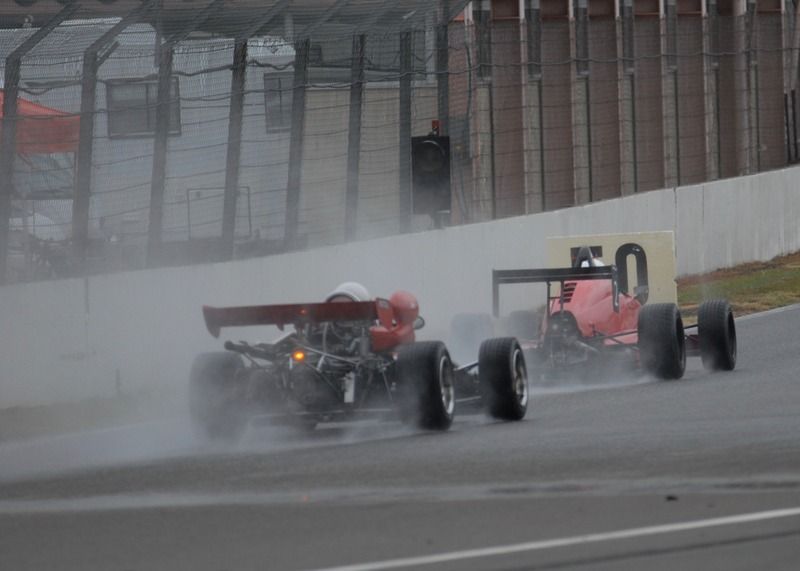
(645, 256)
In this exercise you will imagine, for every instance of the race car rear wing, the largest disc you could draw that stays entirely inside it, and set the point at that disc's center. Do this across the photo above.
(296, 313)
(550, 275)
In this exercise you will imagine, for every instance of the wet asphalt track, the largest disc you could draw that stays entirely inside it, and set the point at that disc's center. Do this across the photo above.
(702, 473)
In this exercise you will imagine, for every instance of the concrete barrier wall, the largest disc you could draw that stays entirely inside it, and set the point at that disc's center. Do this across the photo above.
(72, 339)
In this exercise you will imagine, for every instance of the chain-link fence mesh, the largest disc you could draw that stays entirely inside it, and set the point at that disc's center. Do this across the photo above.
(149, 141)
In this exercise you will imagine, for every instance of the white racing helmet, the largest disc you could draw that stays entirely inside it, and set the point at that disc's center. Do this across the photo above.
(353, 291)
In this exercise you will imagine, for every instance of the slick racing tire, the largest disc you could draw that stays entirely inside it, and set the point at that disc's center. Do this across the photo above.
(717, 335)
(425, 375)
(503, 378)
(662, 343)
(216, 395)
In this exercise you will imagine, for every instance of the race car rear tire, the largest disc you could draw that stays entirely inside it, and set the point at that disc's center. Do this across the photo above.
(503, 378)
(717, 335)
(216, 395)
(662, 343)
(425, 375)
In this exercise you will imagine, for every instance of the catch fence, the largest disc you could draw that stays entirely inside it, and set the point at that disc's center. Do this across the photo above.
(141, 139)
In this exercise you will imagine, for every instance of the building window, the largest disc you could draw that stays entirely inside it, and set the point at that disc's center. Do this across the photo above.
(132, 107)
(278, 93)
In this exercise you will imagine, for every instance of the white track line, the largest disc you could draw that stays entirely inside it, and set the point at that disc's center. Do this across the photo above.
(567, 541)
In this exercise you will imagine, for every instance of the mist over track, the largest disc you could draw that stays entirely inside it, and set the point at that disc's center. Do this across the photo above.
(712, 460)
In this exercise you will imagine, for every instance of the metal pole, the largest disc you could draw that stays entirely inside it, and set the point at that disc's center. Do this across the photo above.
(11, 91)
(296, 143)
(629, 74)
(406, 72)
(581, 107)
(757, 92)
(188, 214)
(542, 173)
(589, 137)
(533, 27)
(719, 124)
(794, 125)
(492, 157)
(238, 78)
(166, 53)
(745, 87)
(788, 129)
(443, 70)
(8, 150)
(154, 232)
(634, 135)
(714, 167)
(487, 30)
(534, 37)
(354, 136)
(83, 166)
(672, 137)
(92, 60)
(677, 125)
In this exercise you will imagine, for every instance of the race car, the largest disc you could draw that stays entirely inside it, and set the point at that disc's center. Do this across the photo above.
(344, 358)
(594, 325)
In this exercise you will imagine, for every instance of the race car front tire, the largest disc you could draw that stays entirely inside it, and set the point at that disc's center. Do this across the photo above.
(216, 395)
(717, 335)
(425, 375)
(662, 343)
(503, 378)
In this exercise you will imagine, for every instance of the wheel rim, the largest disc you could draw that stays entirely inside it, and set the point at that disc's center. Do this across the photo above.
(520, 379)
(681, 347)
(731, 337)
(446, 385)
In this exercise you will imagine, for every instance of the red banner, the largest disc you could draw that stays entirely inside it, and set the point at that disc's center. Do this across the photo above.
(42, 130)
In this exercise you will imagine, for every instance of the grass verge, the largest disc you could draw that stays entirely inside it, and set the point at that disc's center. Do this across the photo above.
(749, 288)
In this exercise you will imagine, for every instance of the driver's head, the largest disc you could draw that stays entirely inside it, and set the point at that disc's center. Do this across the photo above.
(584, 258)
(349, 291)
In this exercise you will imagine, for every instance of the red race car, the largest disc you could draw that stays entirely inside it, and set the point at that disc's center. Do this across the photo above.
(596, 325)
(346, 357)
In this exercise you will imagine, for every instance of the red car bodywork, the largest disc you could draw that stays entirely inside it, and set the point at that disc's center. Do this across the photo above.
(592, 317)
(393, 318)
(591, 304)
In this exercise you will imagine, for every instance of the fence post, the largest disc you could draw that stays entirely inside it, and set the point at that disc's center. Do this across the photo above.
(581, 107)
(9, 138)
(711, 69)
(753, 95)
(354, 136)
(92, 60)
(630, 159)
(235, 113)
(669, 75)
(163, 111)
(535, 197)
(296, 143)
(443, 69)
(406, 74)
